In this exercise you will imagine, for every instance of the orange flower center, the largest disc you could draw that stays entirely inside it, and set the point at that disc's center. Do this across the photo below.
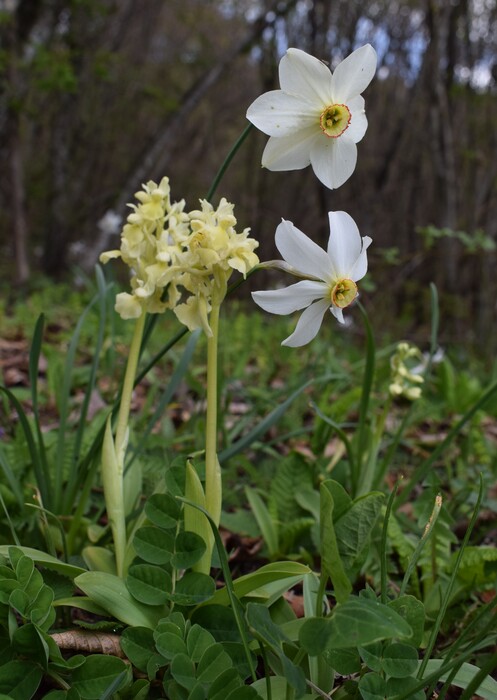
(334, 120)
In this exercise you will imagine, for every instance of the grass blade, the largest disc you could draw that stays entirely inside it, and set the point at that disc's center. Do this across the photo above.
(41, 469)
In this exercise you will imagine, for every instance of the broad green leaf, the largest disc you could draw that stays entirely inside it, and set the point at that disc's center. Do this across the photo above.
(148, 583)
(213, 662)
(19, 600)
(260, 622)
(153, 545)
(194, 588)
(24, 571)
(279, 687)
(198, 640)
(331, 562)
(243, 693)
(358, 622)
(258, 579)
(99, 559)
(170, 645)
(344, 661)
(92, 679)
(188, 549)
(19, 680)
(353, 529)
(225, 683)
(111, 594)
(399, 660)
(266, 630)
(373, 687)
(372, 655)
(163, 510)
(219, 620)
(183, 671)
(139, 646)
(463, 677)
(398, 686)
(28, 642)
(412, 611)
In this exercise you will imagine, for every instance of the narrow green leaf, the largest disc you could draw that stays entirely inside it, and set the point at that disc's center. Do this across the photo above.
(268, 527)
(46, 560)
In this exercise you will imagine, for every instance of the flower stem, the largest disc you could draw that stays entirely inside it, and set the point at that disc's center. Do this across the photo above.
(127, 392)
(227, 161)
(213, 488)
(114, 452)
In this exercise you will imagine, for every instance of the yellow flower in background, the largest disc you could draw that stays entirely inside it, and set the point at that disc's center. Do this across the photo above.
(406, 364)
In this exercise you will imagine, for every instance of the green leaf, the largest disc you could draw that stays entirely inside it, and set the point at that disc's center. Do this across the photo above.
(399, 660)
(194, 588)
(331, 562)
(213, 662)
(139, 646)
(258, 579)
(188, 549)
(111, 594)
(148, 583)
(20, 679)
(46, 560)
(463, 677)
(260, 622)
(28, 641)
(163, 510)
(373, 687)
(353, 529)
(246, 692)
(398, 686)
(226, 682)
(198, 640)
(92, 679)
(183, 671)
(169, 639)
(344, 661)
(153, 545)
(267, 631)
(358, 622)
(219, 620)
(412, 611)
(267, 526)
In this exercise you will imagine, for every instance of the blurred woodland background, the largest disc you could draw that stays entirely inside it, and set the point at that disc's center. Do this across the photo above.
(98, 96)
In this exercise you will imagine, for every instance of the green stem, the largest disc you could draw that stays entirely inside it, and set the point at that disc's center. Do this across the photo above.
(227, 161)
(365, 396)
(213, 493)
(127, 392)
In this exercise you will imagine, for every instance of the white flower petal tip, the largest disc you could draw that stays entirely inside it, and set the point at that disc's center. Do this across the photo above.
(315, 118)
(328, 278)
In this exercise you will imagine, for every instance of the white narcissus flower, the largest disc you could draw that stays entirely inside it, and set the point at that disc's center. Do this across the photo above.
(316, 118)
(329, 276)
